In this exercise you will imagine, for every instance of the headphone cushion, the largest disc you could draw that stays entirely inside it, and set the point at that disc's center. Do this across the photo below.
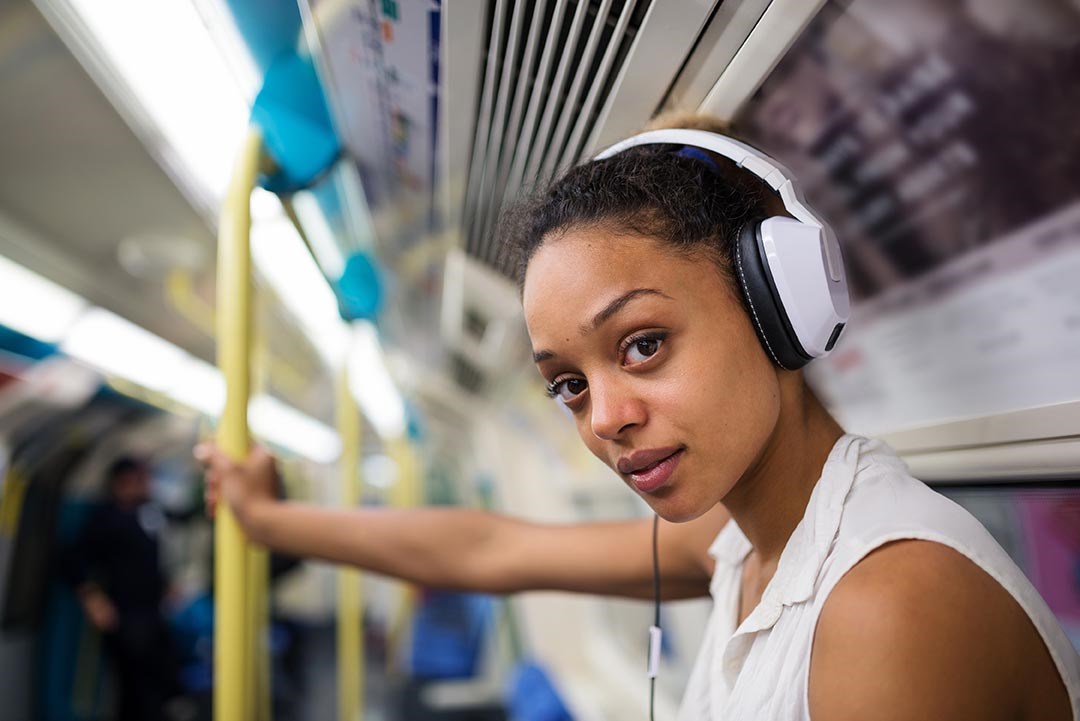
(763, 303)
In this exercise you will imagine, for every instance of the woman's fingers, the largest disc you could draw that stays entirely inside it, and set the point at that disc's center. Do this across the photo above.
(215, 459)
(237, 483)
(259, 456)
(211, 493)
(216, 465)
(204, 451)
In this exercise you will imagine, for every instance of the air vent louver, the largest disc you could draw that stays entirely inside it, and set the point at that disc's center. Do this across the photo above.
(549, 69)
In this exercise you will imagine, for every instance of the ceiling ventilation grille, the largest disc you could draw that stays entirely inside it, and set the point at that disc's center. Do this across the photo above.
(547, 73)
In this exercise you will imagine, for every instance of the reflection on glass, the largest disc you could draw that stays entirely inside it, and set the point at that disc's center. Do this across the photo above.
(1040, 530)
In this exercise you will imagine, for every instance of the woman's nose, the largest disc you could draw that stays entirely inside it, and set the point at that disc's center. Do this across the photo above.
(615, 410)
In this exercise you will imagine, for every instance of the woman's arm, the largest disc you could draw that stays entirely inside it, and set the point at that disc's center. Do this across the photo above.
(468, 549)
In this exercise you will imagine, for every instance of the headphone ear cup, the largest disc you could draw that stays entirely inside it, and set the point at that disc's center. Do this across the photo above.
(763, 302)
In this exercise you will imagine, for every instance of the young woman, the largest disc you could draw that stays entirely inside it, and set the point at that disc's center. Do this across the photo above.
(844, 589)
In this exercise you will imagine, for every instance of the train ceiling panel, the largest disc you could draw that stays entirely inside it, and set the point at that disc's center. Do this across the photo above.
(76, 181)
(87, 201)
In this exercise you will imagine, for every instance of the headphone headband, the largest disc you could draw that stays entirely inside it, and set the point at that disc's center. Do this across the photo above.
(790, 270)
(775, 175)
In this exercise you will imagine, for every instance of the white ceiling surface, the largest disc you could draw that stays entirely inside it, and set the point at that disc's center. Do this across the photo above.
(75, 181)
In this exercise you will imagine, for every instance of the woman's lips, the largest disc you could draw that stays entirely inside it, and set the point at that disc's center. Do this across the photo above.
(655, 475)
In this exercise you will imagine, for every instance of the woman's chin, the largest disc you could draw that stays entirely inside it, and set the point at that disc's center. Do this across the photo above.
(676, 509)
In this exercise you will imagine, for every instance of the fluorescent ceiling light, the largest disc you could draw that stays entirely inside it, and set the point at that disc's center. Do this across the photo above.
(35, 306)
(114, 346)
(281, 258)
(200, 385)
(264, 206)
(371, 384)
(192, 76)
(118, 347)
(164, 53)
(318, 232)
(285, 426)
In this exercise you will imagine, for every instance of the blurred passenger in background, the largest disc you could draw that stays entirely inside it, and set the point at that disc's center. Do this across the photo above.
(115, 571)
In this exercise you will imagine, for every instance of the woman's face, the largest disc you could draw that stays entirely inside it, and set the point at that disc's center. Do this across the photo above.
(655, 357)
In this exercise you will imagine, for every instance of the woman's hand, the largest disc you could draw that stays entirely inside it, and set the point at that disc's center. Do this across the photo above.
(246, 486)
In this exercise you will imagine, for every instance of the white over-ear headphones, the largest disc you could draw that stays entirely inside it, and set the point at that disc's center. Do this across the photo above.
(789, 269)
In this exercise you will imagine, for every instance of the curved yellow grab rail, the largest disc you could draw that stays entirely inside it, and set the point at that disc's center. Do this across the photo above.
(233, 645)
(180, 294)
(350, 640)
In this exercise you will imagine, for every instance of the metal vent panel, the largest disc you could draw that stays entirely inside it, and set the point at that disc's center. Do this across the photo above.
(557, 77)
(669, 36)
(545, 72)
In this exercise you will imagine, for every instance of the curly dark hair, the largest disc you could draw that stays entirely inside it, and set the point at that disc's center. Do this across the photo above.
(687, 202)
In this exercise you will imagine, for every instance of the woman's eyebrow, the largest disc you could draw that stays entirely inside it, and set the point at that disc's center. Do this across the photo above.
(605, 315)
(617, 305)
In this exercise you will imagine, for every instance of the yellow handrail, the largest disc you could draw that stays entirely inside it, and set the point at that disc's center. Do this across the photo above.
(406, 492)
(232, 644)
(350, 640)
(255, 636)
(11, 502)
(180, 294)
(258, 562)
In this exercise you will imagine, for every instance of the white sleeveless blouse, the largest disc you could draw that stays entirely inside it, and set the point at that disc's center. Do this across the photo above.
(865, 498)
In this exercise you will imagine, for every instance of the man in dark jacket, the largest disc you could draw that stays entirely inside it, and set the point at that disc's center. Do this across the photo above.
(115, 571)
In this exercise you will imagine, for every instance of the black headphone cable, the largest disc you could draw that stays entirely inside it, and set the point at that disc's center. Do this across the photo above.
(654, 632)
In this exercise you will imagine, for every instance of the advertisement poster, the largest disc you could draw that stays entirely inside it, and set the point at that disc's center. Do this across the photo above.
(382, 58)
(942, 142)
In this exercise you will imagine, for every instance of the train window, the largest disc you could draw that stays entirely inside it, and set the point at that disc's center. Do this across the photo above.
(1039, 527)
(939, 138)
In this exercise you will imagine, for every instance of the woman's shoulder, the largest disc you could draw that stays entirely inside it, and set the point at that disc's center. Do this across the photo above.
(886, 506)
(910, 584)
(929, 600)
(920, 615)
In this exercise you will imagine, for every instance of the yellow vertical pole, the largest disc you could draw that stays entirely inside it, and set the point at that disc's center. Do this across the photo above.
(350, 653)
(405, 493)
(258, 580)
(231, 645)
(258, 620)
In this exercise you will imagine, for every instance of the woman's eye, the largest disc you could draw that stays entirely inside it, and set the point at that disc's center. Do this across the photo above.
(567, 389)
(642, 349)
